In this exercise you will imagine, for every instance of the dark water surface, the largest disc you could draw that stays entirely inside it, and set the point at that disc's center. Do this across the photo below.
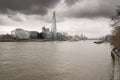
(82, 60)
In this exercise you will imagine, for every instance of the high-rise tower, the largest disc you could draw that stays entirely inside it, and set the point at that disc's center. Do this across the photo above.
(53, 29)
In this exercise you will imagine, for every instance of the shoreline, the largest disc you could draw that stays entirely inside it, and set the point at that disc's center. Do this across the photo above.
(31, 40)
(116, 65)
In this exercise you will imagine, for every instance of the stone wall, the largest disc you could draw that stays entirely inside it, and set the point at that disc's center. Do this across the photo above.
(116, 65)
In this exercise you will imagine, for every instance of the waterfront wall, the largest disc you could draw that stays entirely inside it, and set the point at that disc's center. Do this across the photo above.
(116, 65)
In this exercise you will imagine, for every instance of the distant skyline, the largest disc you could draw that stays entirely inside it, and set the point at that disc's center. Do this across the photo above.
(89, 17)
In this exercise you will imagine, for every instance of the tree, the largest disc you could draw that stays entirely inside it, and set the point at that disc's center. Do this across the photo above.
(115, 39)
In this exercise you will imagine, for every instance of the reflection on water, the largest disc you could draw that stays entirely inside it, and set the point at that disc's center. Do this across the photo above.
(82, 60)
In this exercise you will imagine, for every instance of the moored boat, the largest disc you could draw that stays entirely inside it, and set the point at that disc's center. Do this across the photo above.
(99, 42)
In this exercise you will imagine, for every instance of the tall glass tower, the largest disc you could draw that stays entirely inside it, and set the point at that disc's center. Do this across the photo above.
(53, 28)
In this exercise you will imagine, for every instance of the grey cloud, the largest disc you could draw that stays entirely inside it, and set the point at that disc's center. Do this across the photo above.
(17, 17)
(94, 9)
(17, 9)
(4, 20)
(71, 2)
(27, 6)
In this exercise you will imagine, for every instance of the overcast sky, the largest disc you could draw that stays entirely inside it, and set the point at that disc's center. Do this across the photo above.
(90, 17)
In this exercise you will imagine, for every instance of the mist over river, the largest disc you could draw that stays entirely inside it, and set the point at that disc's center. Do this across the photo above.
(82, 60)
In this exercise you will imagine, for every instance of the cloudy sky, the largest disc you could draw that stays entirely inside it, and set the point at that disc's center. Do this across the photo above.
(90, 17)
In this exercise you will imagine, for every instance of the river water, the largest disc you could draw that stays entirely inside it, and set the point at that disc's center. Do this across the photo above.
(81, 60)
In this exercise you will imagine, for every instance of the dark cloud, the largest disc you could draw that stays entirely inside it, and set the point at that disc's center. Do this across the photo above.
(17, 9)
(94, 9)
(27, 6)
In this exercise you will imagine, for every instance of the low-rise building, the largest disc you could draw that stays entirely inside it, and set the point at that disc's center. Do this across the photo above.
(34, 35)
(59, 36)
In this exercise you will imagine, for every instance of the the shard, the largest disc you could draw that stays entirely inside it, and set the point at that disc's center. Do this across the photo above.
(53, 29)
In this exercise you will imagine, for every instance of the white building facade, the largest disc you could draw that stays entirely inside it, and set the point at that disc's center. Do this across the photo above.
(20, 34)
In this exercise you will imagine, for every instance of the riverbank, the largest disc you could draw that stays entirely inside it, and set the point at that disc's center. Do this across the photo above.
(30, 40)
(116, 64)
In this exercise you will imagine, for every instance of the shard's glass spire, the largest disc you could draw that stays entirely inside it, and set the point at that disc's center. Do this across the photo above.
(53, 29)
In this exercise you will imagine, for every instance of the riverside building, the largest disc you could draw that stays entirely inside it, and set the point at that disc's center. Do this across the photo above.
(20, 34)
(45, 34)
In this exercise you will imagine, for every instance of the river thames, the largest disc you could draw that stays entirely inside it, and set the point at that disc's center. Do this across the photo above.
(82, 60)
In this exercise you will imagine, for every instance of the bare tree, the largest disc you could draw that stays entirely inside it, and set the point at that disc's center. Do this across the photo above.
(115, 39)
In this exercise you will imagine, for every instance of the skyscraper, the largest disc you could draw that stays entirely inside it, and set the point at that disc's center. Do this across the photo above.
(53, 28)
